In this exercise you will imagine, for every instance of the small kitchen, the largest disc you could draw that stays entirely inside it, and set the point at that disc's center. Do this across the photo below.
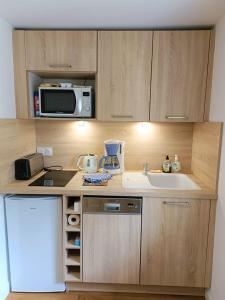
(110, 170)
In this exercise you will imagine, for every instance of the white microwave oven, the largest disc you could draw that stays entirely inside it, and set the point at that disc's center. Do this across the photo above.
(71, 102)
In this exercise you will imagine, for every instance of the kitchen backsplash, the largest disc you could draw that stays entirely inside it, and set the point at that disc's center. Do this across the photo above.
(17, 138)
(145, 142)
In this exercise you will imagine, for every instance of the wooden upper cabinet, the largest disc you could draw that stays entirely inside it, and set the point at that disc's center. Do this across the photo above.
(124, 71)
(179, 75)
(174, 242)
(61, 50)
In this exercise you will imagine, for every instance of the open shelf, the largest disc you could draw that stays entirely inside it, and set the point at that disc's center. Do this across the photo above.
(70, 211)
(73, 260)
(70, 240)
(36, 78)
(73, 228)
(63, 119)
(73, 274)
(70, 245)
(70, 204)
(72, 252)
(64, 74)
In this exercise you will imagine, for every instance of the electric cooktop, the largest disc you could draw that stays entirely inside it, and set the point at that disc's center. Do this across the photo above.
(54, 178)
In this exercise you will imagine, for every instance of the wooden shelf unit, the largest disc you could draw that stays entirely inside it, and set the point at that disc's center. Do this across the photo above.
(72, 253)
(74, 228)
(72, 277)
(70, 245)
(70, 211)
(72, 260)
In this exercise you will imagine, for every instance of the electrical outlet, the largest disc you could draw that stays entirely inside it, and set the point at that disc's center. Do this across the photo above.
(45, 151)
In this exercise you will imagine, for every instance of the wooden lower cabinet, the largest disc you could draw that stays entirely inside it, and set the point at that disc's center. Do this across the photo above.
(111, 248)
(174, 242)
(170, 246)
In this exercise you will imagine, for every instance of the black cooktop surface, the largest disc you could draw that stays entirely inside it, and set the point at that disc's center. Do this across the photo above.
(54, 178)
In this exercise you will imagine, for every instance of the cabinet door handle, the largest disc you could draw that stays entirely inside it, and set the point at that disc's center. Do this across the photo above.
(122, 116)
(60, 66)
(180, 203)
(176, 117)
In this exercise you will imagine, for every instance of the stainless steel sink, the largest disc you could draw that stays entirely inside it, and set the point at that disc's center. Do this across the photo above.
(138, 180)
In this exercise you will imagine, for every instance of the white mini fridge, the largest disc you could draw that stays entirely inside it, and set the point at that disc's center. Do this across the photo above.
(34, 228)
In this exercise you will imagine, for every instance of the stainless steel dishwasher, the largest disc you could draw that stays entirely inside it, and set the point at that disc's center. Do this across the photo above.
(111, 239)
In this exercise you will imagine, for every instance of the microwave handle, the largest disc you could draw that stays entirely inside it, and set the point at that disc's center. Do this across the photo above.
(79, 104)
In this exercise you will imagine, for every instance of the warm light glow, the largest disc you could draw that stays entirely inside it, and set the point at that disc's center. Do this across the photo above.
(144, 127)
(80, 126)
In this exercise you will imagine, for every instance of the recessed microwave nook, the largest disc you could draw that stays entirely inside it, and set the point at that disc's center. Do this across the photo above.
(75, 100)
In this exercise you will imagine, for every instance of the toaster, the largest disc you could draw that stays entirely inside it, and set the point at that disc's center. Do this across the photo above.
(29, 165)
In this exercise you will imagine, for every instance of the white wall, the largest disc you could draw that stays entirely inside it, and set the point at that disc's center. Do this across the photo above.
(217, 113)
(7, 96)
(7, 111)
(4, 282)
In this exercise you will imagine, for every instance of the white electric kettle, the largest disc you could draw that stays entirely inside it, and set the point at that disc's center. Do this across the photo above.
(90, 164)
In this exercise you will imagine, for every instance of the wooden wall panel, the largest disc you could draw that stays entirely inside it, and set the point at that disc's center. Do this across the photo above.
(17, 138)
(148, 144)
(206, 152)
(209, 75)
(20, 76)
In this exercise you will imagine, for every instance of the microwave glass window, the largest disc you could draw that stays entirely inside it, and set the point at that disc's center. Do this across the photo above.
(53, 101)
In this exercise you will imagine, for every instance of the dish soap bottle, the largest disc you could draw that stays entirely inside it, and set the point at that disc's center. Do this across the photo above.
(176, 166)
(166, 167)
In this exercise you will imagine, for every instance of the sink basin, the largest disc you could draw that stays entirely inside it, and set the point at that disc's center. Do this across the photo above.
(172, 181)
(137, 180)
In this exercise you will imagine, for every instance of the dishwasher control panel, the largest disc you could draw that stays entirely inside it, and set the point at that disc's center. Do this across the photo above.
(112, 205)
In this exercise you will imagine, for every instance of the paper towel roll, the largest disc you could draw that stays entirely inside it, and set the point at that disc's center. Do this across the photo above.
(73, 219)
(76, 206)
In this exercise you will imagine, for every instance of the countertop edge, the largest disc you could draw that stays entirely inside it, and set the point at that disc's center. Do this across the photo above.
(75, 187)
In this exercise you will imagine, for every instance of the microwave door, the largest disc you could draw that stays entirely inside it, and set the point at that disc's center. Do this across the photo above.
(57, 102)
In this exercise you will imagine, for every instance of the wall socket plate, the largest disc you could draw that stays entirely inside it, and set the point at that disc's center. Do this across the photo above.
(46, 151)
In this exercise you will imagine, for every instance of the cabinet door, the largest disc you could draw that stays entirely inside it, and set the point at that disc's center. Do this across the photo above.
(61, 50)
(124, 70)
(174, 242)
(111, 248)
(179, 75)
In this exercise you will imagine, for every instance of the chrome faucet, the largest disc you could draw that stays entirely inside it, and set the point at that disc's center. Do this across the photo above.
(146, 168)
